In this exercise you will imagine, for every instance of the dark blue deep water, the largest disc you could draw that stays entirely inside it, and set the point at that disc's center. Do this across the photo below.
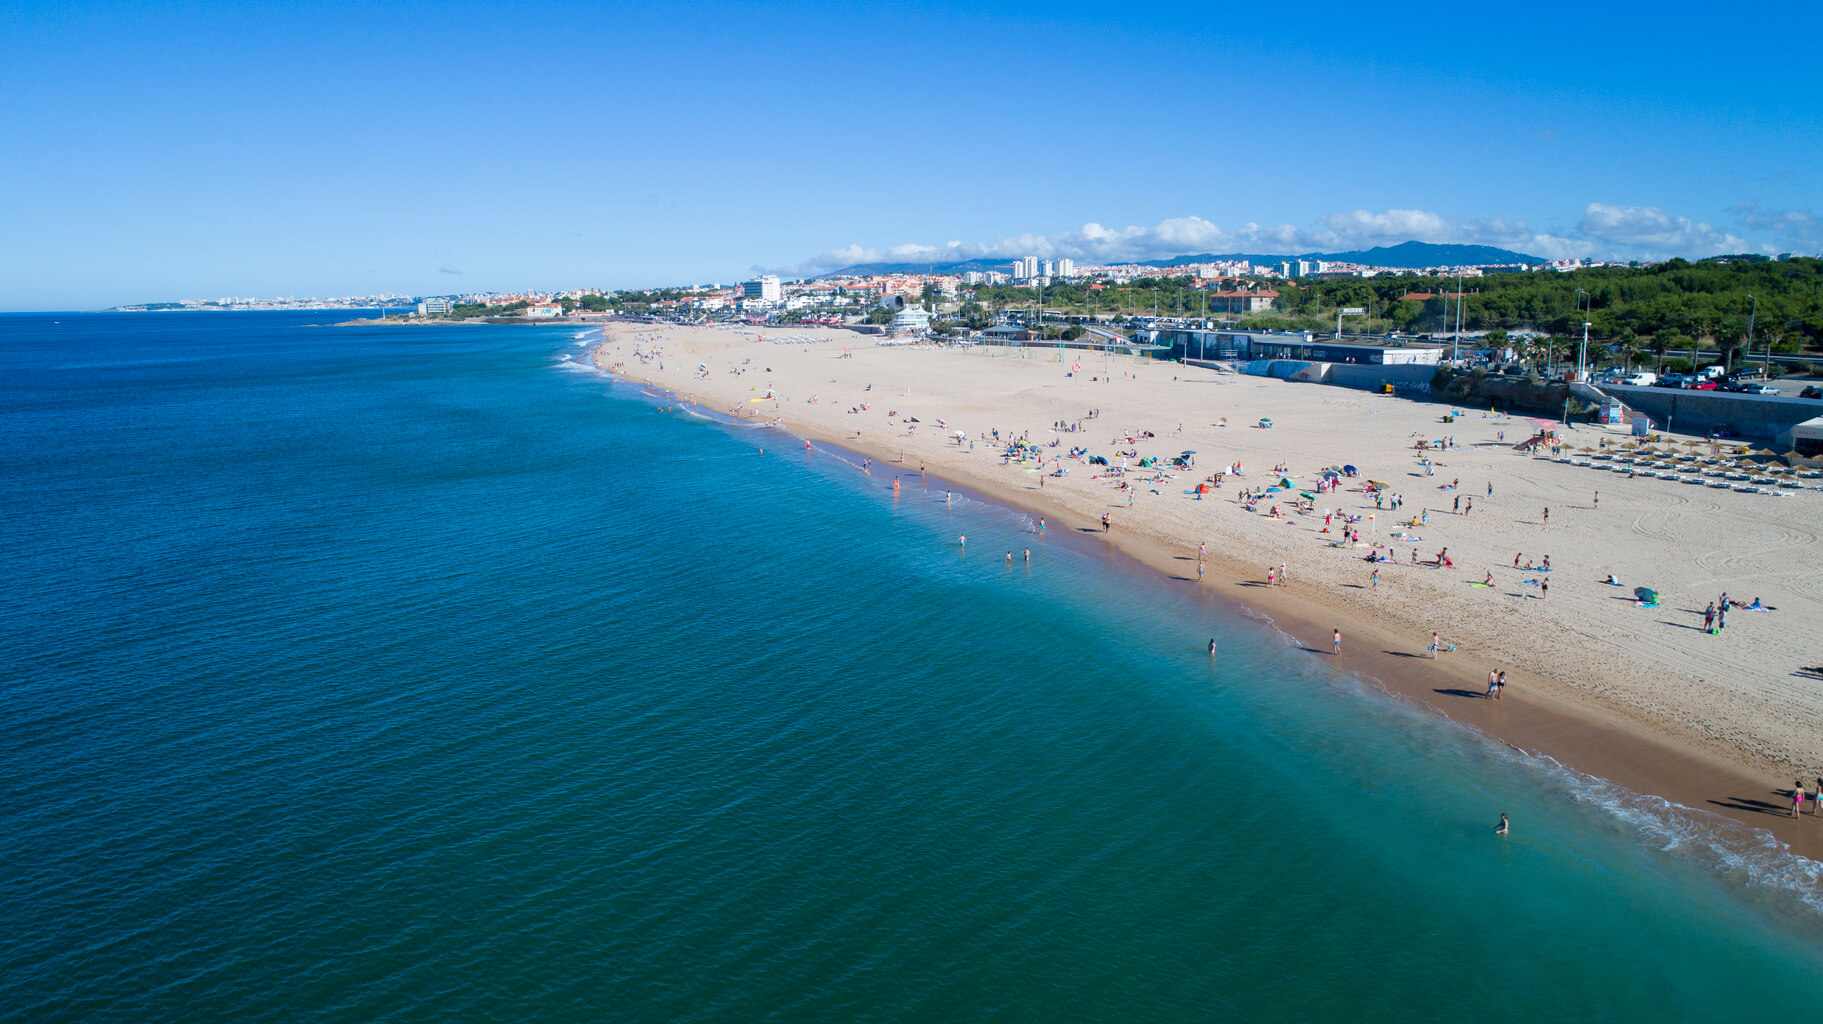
(419, 674)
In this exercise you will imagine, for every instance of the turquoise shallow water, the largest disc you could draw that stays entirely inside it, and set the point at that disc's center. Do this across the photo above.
(408, 674)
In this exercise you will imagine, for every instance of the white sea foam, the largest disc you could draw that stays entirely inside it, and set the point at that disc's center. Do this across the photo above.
(1736, 850)
(1733, 850)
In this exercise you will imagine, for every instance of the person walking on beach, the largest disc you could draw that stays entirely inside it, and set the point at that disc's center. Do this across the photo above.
(1493, 684)
(1500, 687)
(1199, 574)
(1797, 798)
(1271, 579)
(1490, 488)
(1544, 589)
(1105, 522)
(1547, 517)
(1374, 580)
(1470, 507)
(1338, 642)
(1501, 829)
(1456, 506)
(1597, 499)
(1434, 644)
(1709, 618)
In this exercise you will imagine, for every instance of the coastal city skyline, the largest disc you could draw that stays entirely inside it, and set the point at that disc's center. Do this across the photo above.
(271, 151)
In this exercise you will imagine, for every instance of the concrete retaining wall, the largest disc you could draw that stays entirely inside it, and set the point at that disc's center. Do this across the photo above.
(1405, 380)
(1764, 416)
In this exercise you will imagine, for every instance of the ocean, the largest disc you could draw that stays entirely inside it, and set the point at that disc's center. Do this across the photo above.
(369, 674)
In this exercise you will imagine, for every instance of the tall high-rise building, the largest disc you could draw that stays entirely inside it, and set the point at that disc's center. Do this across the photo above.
(1046, 268)
(1031, 266)
(1019, 270)
(765, 289)
(1066, 268)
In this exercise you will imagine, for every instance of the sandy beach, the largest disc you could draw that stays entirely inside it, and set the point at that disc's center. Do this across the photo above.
(1644, 696)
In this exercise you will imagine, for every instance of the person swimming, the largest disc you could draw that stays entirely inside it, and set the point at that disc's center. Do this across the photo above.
(1501, 829)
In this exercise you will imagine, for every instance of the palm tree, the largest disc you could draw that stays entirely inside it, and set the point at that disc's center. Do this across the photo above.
(1659, 344)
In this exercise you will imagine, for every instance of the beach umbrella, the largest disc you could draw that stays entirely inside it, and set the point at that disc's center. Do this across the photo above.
(1307, 494)
(1188, 453)
(1646, 594)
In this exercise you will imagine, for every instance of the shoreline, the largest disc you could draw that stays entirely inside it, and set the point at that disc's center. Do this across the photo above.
(1539, 716)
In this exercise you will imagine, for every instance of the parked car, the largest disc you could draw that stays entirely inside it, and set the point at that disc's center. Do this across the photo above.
(1811, 392)
(1759, 389)
(1701, 384)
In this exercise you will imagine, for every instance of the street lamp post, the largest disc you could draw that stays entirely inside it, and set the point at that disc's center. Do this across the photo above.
(1750, 316)
(1583, 353)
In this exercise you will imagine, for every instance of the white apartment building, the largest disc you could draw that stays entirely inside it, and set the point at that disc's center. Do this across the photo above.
(764, 289)
(1066, 268)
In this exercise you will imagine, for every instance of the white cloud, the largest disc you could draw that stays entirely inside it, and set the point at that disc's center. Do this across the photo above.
(1798, 231)
(1652, 230)
(1604, 231)
(447, 269)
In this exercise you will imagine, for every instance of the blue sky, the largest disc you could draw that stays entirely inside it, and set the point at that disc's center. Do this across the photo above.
(190, 150)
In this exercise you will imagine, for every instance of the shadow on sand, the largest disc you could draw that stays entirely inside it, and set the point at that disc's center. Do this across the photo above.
(1741, 803)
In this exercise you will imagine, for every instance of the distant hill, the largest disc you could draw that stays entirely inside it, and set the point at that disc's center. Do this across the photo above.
(1405, 255)
(1417, 255)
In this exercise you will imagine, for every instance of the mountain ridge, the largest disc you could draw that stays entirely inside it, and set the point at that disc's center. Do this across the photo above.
(1410, 255)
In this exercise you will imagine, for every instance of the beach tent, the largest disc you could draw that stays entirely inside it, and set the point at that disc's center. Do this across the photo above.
(1645, 595)
(1098, 460)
